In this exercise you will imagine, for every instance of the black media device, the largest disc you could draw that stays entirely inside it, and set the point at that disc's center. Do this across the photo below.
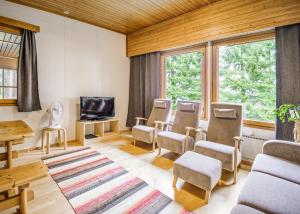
(97, 108)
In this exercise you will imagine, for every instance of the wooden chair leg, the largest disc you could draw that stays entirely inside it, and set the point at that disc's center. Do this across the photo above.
(65, 139)
(235, 166)
(175, 178)
(58, 137)
(235, 175)
(48, 142)
(43, 138)
(153, 146)
(207, 196)
(159, 151)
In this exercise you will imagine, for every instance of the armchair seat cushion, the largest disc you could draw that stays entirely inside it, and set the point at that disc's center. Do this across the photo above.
(143, 133)
(270, 194)
(277, 167)
(243, 209)
(174, 141)
(218, 151)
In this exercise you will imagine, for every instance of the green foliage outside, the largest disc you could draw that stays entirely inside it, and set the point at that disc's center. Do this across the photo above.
(247, 76)
(183, 73)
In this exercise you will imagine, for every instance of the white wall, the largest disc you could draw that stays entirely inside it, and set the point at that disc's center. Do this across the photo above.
(74, 59)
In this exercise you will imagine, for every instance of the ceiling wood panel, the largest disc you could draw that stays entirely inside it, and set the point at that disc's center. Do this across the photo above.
(122, 16)
(223, 19)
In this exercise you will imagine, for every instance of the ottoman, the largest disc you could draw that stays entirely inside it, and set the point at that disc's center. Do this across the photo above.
(199, 170)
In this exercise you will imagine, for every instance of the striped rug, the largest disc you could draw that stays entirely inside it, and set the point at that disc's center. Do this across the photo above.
(93, 183)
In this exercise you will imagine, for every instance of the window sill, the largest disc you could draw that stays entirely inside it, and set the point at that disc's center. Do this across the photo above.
(6, 102)
(259, 125)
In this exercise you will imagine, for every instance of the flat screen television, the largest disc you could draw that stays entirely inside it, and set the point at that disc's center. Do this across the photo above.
(97, 108)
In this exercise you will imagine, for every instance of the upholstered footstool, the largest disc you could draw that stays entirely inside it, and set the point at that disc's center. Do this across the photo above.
(199, 170)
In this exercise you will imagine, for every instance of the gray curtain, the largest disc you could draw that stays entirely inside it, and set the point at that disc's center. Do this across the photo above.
(287, 73)
(28, 93)
(144, 85)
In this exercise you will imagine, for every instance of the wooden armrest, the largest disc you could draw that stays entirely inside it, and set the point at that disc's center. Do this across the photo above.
(160, 122)
(237, 140)
(201, 130)
(189, 128)
(141, 118)
(138, 120)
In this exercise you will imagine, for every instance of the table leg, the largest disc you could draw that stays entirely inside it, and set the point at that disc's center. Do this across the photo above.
(23, 202)
(9, 154)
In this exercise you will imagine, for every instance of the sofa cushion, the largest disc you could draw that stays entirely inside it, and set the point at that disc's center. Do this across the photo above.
(174, 141)
(270, 194)
(218, 151)
(243, 209)
(143, 133)
(199, 170)
(277, 167)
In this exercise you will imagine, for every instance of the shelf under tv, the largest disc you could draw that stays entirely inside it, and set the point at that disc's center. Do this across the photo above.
(103, 129)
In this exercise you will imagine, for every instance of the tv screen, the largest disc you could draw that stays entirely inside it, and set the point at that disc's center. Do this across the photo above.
(97, 108)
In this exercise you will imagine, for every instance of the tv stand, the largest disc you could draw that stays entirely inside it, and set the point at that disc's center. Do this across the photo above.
(102, 129)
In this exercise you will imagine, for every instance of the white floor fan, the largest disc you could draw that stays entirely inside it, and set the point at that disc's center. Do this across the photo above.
(55, 124)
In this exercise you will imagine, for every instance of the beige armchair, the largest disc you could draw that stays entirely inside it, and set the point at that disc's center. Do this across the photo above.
(161, 111)
(182, 135)
(223, 136)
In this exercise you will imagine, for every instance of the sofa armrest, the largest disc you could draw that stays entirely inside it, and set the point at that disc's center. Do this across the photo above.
(283, 149)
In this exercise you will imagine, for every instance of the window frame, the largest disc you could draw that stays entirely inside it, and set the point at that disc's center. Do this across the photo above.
(163, 79)
(215, 71)
(9, 63)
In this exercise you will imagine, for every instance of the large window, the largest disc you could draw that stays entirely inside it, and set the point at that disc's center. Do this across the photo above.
(9, 54)
(184, 75)
(244, 72)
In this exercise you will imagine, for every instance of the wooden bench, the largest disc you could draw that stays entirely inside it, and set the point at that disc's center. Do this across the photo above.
(14, 183)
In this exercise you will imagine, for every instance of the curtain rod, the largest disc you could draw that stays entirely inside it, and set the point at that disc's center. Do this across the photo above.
(19, 24)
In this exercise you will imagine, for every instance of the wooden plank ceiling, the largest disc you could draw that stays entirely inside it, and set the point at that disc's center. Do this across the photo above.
(123, 16)
(221, 20)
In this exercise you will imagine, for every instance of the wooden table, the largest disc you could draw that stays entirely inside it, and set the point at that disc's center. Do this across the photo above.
(11, 133)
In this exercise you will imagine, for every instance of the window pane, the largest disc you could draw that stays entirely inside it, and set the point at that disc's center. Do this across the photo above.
(10, 93)
(1, 77)
(247, 76)
(10, 77)
(1, 93)
(183, 77)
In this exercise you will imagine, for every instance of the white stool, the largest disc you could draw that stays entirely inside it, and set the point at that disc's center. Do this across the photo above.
(46, 131)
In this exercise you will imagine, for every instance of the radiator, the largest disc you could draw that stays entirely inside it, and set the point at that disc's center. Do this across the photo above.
(251, 146)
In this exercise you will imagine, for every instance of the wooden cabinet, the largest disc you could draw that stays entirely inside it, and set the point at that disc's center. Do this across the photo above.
(102, 129)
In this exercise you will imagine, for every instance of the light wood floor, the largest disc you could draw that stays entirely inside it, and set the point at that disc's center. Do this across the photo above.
(157, 171)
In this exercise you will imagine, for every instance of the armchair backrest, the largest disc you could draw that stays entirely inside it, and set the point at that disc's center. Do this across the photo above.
(187, 114)
(161, 111)
(225, 123)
